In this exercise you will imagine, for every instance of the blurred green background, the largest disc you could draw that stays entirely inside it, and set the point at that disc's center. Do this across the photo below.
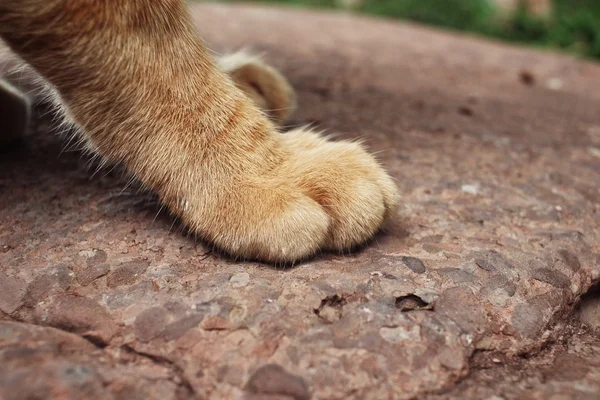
(571, 25)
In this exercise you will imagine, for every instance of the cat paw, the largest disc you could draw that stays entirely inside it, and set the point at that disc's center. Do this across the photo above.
(319, 195)
(260, 218)
(266, 86)
(348, 183)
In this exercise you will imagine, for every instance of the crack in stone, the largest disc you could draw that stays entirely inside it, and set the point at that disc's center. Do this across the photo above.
(164, 361)
(559, 339)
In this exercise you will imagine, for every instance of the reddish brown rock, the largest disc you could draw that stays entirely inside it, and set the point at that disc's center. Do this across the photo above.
(79, 315)
(499, 206)
(150, 323)
(91, 273)
(12, 291)
(272, 380)
(51, 281)
(47, 363)
(127, 273)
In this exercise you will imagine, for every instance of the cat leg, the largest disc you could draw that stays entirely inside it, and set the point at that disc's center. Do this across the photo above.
(145, 92)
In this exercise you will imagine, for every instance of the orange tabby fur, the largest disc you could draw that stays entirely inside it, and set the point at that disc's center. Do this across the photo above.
(136, 79)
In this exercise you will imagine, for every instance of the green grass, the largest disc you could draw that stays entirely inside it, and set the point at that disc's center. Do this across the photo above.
(574, 25)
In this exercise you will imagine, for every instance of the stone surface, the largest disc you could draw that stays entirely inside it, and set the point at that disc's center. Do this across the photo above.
(569, 369)
(588, 310)
(498, 237)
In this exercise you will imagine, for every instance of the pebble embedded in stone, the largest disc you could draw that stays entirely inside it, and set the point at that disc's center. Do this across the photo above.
(272, 379)
(150, 323)
(80, 315)
(240, 279)
(414, 264)
(12, 291)
(552, 277)
(91, 273)
(127, 274)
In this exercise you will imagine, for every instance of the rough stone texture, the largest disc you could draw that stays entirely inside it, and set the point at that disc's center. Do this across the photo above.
(569, 369)
(497, 239)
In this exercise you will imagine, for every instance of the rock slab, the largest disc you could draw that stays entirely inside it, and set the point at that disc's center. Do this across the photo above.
(497, 238)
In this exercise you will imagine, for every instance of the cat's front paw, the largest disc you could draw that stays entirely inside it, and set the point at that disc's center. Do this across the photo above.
(262, 217)
(347, 182)
(315, 195)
